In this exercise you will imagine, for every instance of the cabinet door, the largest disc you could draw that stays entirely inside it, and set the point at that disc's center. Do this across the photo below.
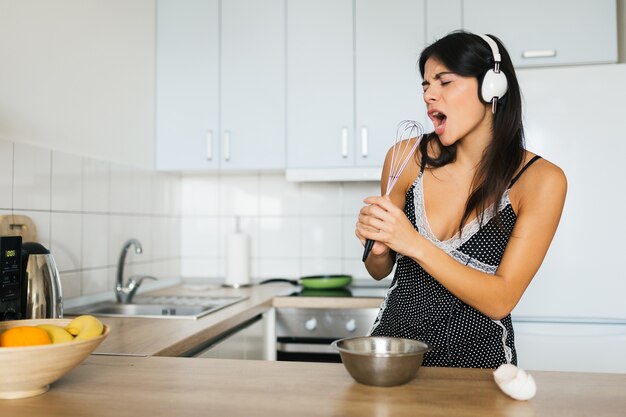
(320, 83)
(187, 84)
(253, 84)
(442, 17)
(389, 39)
(544, 33)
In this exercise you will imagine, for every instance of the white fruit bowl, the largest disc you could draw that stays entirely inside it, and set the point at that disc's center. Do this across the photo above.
(27, 371)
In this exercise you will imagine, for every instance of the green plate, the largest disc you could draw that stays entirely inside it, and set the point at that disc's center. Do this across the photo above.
(325, 282)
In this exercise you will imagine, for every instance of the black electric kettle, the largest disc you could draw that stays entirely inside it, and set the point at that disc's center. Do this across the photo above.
(41, 283)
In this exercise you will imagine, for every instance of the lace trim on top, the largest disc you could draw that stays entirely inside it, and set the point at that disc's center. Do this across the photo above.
(451, 246)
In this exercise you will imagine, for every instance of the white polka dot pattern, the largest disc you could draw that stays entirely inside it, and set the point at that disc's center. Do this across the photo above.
(418, 307)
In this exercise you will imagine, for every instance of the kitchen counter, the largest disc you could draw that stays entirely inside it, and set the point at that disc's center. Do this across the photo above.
(174, 337)
(155, 386)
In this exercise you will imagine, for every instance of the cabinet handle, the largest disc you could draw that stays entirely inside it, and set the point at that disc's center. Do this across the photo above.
(543, 53)
(209, 145)
(344, 142)
(364, 149)
(227, 145)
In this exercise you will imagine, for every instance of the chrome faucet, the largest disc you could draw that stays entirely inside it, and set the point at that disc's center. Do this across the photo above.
(125, 293)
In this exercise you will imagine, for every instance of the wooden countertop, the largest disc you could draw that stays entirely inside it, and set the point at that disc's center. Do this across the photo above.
(174, 337)
(157, 386)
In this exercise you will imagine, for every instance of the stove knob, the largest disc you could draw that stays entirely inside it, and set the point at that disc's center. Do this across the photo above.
(311, 324)
(351, 325)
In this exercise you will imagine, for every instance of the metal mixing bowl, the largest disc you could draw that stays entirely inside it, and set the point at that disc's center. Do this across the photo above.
(381, 361)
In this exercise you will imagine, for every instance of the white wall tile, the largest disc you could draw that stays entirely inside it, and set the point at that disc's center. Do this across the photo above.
(67, 178)
(321, 237)
(166, 194)
(142, 190)
(239, 195)
(161, 237)
(122, 200)
(66, 239)
(352, 247)
(6, 174)
(321, 266)
(354, 193)
(42, 224)
(279, 268)
(320, 198)
(95, 241)
(96, 281)
(31, 178)
(200, 195)
(200, 237)
(96, 186)
(124, 227)
(199, 268)
(277, 196)
(71, 283)
(175, 226)
(279, 237)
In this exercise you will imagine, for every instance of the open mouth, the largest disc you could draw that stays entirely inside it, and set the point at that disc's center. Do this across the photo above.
(439, 121)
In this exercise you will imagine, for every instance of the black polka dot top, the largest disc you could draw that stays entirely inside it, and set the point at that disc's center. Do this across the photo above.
(416, 306)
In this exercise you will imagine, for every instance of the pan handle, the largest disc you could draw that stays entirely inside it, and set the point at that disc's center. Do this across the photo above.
(291, 281)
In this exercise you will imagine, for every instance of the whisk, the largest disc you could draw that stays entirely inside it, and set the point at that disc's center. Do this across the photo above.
(401, 153)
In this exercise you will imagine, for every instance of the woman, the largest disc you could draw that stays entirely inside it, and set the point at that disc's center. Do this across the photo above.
(479, 212)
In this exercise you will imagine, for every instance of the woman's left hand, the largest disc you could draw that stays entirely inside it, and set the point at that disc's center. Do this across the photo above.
(386, 223)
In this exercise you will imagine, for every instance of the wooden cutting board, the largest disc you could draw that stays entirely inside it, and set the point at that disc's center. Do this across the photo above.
(18, 225)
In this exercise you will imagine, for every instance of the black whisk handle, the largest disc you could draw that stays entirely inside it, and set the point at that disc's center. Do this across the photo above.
(369, 243)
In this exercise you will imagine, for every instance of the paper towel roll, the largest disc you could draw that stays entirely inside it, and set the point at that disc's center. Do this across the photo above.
(237, 260)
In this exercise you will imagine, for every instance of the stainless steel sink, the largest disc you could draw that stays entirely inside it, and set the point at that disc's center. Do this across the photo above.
(173, 307)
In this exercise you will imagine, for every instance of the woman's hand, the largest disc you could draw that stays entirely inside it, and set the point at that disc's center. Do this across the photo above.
(387, 225)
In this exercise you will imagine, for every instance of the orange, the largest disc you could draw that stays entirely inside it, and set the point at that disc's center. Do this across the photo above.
(24, 336)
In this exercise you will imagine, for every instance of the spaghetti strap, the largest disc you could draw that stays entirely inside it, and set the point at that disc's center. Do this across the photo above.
(422, 163)
(519, 174)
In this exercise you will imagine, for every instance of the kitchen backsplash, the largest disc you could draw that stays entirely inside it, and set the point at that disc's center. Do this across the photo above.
(295, 229)
(84, 210)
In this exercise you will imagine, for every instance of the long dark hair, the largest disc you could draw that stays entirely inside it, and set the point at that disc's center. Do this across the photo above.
(467, 54)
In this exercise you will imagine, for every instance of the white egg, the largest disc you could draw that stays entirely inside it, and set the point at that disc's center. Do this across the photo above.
(515, 382)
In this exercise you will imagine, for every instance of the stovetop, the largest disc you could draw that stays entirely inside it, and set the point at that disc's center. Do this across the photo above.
(353, 291)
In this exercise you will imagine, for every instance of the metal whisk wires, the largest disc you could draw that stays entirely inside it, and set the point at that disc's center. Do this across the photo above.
(408, 136)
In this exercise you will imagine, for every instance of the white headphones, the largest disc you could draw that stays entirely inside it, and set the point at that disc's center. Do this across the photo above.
(494, 84)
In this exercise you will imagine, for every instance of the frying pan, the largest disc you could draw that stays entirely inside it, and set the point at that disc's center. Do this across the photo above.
(316, 282)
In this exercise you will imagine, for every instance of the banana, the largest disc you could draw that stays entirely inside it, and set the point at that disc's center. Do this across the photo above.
(85, 327)
(57, 334)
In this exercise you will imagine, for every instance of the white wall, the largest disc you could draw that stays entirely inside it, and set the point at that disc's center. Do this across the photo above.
(78, 76)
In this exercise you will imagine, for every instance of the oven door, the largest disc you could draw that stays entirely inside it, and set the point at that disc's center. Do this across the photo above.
(305, 334)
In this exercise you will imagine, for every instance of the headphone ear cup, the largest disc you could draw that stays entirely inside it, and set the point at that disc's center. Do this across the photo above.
(494, 84)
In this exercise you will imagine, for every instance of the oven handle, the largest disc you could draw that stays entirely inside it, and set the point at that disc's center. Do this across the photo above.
(304, 348)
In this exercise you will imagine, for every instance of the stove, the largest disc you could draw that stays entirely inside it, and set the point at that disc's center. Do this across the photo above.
(357, 291)
(305, 334)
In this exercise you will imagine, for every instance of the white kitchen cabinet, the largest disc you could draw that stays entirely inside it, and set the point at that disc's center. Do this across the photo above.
(352, 77)
(320, 83)
(389, 39)
(187, 87)
(442, 17)
(546, 33)
(220, 85)
(253, 84)
(570, 345)
(245, 343)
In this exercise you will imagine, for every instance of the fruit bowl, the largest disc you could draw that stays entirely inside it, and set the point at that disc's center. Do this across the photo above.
(27, 371)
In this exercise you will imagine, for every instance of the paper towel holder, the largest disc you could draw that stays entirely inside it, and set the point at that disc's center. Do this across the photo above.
(237, 259)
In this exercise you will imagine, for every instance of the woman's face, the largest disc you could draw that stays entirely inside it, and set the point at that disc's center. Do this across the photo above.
(453, 105)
